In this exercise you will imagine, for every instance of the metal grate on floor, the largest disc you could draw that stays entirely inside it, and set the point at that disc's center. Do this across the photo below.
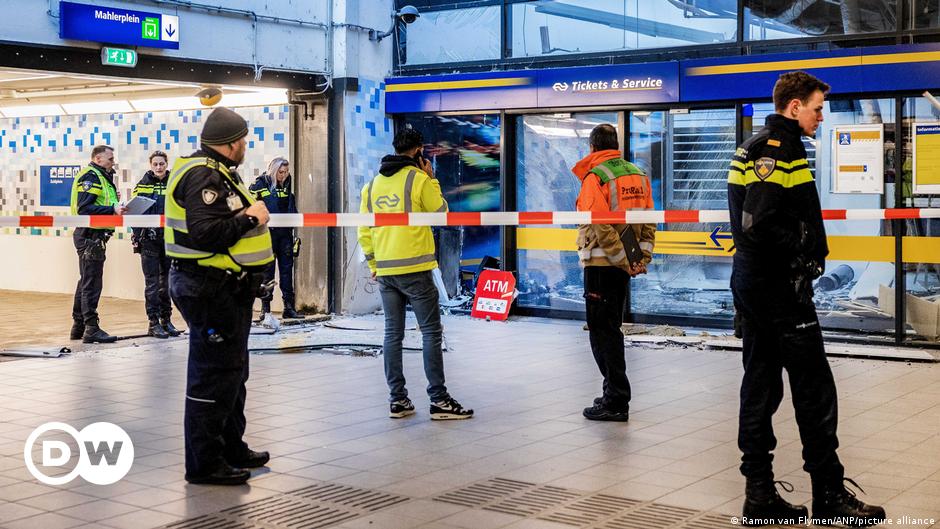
(317, 506)
(577, 508)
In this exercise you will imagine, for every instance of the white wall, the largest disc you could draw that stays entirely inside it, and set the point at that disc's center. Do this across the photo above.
(217, 37)
(50, 264)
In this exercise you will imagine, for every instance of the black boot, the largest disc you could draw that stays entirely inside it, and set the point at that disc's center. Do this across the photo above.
(224, 475)
(833, 504)
(156, 329)
(78, 330)
(764, 506)
(265, 308)
(94, 334)
(170, 328)
(249, 459)
(289, 312)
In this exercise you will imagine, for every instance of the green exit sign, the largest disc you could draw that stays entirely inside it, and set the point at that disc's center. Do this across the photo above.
(118, 57)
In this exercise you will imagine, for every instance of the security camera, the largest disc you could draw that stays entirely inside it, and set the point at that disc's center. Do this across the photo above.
(408, 14)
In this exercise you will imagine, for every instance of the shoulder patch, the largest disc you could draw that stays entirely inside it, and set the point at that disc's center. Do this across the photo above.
(763, 167)
(87, 184)
(209, 196)
(773, 143)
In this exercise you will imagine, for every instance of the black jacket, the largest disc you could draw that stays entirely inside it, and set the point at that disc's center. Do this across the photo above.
(277, 198)
(203, 192)
(776, 219)
(86, 200)
(155, 189)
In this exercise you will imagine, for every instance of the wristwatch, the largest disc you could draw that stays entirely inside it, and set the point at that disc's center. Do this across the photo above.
(253, 219)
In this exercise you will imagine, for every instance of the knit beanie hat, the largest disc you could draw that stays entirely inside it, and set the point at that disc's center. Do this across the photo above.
(223, 126)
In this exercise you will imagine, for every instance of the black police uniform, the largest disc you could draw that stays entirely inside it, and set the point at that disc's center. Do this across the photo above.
(780, 242)
(91, 244)
(148, 242)
(217, 306)
(279, 198)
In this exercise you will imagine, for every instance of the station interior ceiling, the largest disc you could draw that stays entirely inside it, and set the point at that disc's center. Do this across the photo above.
(44, 93)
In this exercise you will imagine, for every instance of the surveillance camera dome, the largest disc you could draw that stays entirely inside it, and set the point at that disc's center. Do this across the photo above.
(409, 14)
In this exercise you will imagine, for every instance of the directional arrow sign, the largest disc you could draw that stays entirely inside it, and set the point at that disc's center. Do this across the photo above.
(715, 236)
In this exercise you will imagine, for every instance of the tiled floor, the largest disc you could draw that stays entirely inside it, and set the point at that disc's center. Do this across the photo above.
(323, 417)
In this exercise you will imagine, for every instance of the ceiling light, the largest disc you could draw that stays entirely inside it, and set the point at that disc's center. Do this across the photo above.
(25, 111)
(266, 97)
(98, 107)
(165, 103)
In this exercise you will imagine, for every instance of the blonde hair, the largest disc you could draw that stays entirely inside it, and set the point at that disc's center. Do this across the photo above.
(275, 166)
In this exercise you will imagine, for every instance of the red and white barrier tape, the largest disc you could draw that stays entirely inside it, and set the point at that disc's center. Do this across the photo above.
(506, 218)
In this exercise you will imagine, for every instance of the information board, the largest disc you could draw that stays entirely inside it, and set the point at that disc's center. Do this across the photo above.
(926, 158)
(858, 159)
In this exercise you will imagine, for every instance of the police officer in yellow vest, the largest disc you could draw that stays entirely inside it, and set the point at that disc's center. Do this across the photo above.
(93, 193)
(402, 258)
(217, 237)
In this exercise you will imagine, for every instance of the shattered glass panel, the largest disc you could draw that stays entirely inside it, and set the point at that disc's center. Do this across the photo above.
(548, 146)
(687, 158)
(464, 153)
(787, 19)
(435, 36)
(560, 27)
(922, 278)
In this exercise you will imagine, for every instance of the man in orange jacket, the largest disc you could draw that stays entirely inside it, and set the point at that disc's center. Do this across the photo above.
(610, 183)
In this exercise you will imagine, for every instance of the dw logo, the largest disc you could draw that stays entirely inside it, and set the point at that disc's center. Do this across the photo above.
(106, 453)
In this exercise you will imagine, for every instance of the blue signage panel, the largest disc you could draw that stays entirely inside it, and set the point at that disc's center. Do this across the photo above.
(118, 26)
(55, 184)
(580, 86)
(753, 77)
(624, 84)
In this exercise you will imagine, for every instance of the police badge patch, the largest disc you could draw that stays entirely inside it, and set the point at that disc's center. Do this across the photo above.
(209, 196)
(86, 185)
(763, 167)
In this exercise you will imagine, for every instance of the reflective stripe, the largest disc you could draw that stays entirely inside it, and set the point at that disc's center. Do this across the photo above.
(369, 198)
(442, 209)
(176, 248)
(409, 183)
(252, 257)
(599, 252)
(613, 192)
(607, 172)
(395, 263)
(648, 246)
(176, 224)
(200, 400)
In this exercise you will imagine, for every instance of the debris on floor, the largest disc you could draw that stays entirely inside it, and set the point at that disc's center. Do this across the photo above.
(36, 352)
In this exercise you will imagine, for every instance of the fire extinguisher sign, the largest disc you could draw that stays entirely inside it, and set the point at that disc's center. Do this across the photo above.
(495, 292)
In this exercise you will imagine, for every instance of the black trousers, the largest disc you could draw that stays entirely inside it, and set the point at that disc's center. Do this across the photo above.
(156, 267)
(605, 291)
(218, 313)
(779, 332)
(282, 242)
(91, 248)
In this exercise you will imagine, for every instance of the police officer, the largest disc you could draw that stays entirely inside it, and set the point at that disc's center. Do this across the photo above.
(610, 183)
(93, 193)
(148, 242)
(274, 188)
(217, 237)
(777, 225)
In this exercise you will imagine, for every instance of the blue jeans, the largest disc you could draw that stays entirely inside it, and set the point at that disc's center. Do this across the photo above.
(419, 290)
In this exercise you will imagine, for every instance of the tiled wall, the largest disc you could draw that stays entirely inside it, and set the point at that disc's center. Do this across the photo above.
(369, 135)
(27, 143)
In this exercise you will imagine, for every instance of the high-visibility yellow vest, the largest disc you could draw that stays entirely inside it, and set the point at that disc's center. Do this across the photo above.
(105, 194)
(254, 247)
(396, 250)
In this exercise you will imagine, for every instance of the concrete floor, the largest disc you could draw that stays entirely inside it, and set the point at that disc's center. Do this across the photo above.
(527, 460)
